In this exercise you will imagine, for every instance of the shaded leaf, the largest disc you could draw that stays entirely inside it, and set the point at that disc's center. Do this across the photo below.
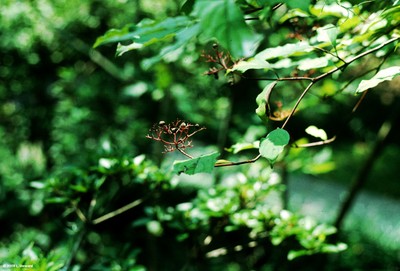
(146, 32)
(187, 6)
(224, 21)
(204, 163)
(272, 146)
(57, 200)
(303, 4)
(262, 101)
(382, 75)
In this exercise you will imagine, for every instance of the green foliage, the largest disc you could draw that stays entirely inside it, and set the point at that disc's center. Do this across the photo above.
(381, 76)
(82, 188)
(273, 145)
(204, 163)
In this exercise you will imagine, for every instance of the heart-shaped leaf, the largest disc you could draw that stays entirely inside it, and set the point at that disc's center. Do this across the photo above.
(272, 146)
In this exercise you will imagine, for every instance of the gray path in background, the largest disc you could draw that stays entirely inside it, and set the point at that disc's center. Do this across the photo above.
(375, 215)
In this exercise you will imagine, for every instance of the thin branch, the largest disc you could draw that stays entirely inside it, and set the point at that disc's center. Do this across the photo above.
(184, 153)
(118, 211)
(297, 78)
(227, 164)
(313, 144)
(297, 103)
(316, 79)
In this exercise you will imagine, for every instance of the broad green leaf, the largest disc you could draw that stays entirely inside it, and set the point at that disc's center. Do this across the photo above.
(204, 163)
(303, 4)
(251, 64)
(262, 100)
(146, 32)
(272, 146)
(316, 132)
(381, 76)
(285, 50)
(182, 37)
(223, 20)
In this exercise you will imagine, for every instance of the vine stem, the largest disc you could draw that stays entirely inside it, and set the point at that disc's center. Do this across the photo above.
(313, 81)
(341, 67)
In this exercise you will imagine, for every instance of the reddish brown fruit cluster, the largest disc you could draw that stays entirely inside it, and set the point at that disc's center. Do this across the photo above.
(175, 135)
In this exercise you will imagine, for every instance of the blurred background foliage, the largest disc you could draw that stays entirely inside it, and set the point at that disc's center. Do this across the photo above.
(73, 149)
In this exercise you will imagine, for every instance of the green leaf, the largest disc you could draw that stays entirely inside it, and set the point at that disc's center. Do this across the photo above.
(292, 14)
(315, 132)
(223, 20)
(57, 200)
(312, 63)
(253, 63)
(327, 33)
(155, 228)
(262, 100)
(382, 75)
(303, 4)
(238, 147)
(204, 163)
(146, 32)
(272, 146)
(37, 184)
(187, 6)
(285, 50)
(122, 49)
(293, 254)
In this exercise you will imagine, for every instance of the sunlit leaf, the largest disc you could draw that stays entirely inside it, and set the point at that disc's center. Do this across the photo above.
(238, 147)
(381, 76)
(316, 132)
(292, 14)
(204, 163)
(313, 63)
(327, 33)
(253, 63)
(285, 50)
(122, 49)
(273, 145)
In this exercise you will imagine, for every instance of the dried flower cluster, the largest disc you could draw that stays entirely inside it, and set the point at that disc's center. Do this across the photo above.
(175, 135)
(223, 60)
